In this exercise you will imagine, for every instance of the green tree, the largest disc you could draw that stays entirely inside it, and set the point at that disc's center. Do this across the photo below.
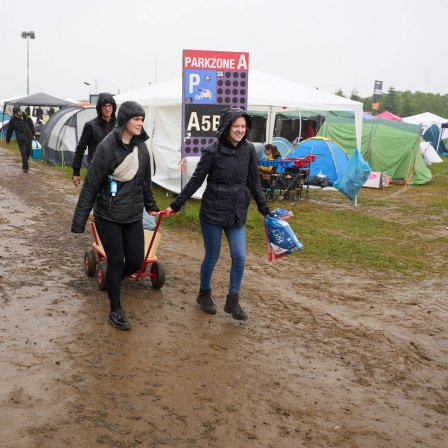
(340, 93)
(354, 95)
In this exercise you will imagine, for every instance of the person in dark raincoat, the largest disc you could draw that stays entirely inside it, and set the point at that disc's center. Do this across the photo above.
(230, 165)
(121, 157)
(24, 127)
(93, 132)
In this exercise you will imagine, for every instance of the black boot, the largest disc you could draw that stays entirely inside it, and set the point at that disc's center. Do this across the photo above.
(118, 319)
(205, 301)
(233, 307)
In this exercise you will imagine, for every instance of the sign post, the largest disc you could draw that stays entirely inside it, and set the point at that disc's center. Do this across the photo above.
(211, 81)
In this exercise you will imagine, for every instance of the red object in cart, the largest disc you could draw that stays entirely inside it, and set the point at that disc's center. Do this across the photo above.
(95, 258)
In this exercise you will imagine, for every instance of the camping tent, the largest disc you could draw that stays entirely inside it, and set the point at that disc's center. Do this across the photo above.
(433, 135)
(62, 132)
(426, 119)
(37, 99)
(429, 153)
(389, 146)
(388, 115)
(330, 161)
(266, 92)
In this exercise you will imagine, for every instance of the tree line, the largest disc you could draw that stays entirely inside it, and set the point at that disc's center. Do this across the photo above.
(404, 103)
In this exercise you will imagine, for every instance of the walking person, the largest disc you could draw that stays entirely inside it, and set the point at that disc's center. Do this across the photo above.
(121, 163)
(23, 125)
(231, 165)
(93, 132)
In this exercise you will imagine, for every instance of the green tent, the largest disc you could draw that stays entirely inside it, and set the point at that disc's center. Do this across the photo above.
(389, 146)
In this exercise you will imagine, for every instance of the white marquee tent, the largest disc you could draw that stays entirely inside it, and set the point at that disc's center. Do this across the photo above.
(269, 93)
(426, 119)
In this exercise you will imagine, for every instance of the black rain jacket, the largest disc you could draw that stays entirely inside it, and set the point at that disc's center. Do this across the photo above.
(232, 176)
(93, 132)
(127, 206)
(24, 128)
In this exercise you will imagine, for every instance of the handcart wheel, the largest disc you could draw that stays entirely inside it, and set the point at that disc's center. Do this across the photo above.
(102, 269)
(286, 194)
(296, 196)
(157, 275)
(89, 262)
(270, 197)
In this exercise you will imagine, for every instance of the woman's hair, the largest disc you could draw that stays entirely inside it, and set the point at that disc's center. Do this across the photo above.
(275, 152)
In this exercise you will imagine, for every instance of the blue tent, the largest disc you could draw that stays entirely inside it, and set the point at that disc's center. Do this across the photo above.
(432, 135)
(330, 157)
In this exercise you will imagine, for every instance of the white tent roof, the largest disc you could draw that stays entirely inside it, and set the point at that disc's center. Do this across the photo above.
(266, 91)
(163, 107)
(426, 119)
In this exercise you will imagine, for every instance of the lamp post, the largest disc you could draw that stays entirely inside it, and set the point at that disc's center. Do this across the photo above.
(90, 88)
(28, 35)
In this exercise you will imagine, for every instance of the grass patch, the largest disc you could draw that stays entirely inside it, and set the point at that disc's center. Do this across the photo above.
(398, 230)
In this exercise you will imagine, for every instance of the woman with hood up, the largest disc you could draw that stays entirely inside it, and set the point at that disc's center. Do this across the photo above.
(122, 161)
(231, 165)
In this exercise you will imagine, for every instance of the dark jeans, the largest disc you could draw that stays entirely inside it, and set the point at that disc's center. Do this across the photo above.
(25, 152)
(124, 245)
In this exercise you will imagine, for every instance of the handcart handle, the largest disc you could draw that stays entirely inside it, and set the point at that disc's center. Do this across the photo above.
(166, 213)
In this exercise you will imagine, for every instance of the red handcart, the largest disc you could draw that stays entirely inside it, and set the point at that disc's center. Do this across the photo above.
(95, 258)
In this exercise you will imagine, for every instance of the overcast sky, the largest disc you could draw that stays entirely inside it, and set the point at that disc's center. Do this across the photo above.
(119, 46)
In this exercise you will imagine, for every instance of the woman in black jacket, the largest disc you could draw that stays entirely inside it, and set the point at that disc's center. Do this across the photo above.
(232, 168)
(122, 164)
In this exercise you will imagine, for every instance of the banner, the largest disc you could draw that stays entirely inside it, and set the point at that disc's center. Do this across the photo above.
(377, 91)
(212, 81)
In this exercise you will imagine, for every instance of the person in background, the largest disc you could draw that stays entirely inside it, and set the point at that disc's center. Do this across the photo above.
(50, 111)
(38, 128)
(231, 167)
(28, 111)
(121, 157)
(93, 132)
(39, 113)
(23, 125)
(271, 153)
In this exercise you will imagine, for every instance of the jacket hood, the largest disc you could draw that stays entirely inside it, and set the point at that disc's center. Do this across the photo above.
(128, 110)
(228, 116)
(105, 98)
(16, 109)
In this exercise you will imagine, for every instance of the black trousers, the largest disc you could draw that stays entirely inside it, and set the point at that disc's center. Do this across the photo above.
(25, 152)
(124, 245)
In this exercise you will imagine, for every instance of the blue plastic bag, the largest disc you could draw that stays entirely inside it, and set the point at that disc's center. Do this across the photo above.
(354, 176)
(280, 238)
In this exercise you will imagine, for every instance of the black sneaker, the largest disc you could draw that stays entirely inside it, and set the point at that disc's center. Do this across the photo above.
(205, 301)
(118, 320)
(233, 307)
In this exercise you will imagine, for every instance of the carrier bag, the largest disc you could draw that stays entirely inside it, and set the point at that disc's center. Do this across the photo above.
(280, 239)
(281, 213)
(354, 176)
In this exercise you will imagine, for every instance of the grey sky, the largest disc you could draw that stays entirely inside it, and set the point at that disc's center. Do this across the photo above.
(118, 46)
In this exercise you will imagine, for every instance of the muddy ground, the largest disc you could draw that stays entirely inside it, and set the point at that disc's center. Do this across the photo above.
(327, 357)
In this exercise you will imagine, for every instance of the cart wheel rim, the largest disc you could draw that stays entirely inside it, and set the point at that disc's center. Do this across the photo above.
(100, 275)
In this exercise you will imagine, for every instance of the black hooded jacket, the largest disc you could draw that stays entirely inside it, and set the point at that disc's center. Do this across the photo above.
(232, 175)
(24, 129)
(127, 206)
(93, 132)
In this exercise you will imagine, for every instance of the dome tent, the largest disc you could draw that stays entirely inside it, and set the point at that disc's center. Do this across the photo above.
(330, 157)
(62, 132)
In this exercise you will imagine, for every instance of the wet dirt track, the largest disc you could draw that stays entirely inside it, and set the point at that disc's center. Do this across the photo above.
(327, 357)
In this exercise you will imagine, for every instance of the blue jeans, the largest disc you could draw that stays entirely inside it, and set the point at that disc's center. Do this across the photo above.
(236, 237)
